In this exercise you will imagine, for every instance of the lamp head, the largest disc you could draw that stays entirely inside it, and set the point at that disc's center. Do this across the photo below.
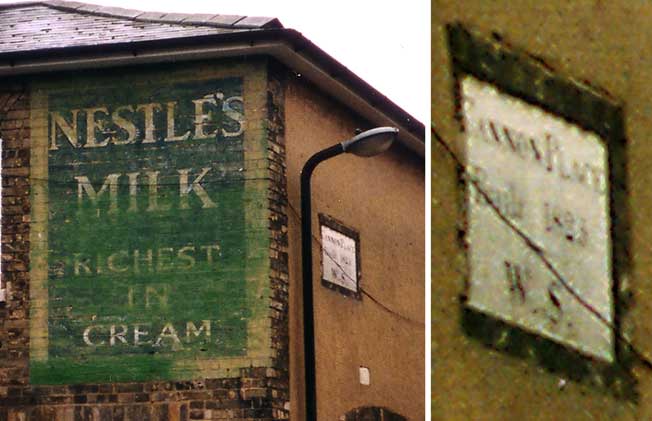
(371, 142)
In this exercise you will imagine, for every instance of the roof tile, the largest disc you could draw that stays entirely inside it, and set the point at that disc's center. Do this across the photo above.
(199, 19)
(150, 16)
(252, 21)
(88, 8)
(225, 19)
(67, 4)
(119, 11)
(174, 17)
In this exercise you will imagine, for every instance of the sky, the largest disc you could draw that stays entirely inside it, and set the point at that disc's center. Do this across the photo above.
(386, 43)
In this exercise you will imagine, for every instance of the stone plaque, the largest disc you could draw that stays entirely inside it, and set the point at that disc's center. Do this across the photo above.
(340, 256)
(550, 179)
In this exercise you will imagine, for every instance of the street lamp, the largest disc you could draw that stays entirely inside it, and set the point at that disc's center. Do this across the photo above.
(366, 144)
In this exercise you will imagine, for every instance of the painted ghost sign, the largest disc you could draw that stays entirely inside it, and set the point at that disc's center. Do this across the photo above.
(550, 179)
(141, 265)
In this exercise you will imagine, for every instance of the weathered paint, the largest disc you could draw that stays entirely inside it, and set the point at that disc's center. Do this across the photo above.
(150, 240)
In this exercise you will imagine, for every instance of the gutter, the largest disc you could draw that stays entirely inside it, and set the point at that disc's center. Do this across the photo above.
(286, 45)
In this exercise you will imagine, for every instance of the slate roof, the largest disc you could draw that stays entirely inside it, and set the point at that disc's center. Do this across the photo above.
(37, 25)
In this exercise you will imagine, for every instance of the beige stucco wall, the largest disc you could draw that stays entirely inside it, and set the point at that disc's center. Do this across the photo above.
(608, 45)
(383, 199)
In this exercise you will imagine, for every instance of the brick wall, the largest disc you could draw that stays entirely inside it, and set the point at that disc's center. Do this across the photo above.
(279, 276)
(14, 324)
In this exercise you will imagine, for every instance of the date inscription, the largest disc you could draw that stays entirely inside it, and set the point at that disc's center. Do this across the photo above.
(534, 174)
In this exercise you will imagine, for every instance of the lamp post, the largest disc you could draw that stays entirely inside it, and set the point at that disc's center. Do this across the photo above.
(366, 144)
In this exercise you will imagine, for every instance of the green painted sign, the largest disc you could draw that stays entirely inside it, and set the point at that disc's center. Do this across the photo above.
(145, 231)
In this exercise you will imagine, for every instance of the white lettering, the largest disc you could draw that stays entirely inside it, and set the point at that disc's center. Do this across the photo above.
(168, 332)
(86, 335)
(111, 182)
(69, 130)
(185, 189)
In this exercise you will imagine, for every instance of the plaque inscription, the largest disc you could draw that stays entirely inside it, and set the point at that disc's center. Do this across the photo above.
(550, 179)
(340, 259)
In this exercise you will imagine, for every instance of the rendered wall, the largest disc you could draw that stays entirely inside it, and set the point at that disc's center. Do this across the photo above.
(382, 198)
(142, 257)
(600, 47)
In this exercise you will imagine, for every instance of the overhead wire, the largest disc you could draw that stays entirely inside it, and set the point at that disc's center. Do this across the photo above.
(374, 299)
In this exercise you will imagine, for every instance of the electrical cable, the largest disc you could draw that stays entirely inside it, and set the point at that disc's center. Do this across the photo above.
(363, 291)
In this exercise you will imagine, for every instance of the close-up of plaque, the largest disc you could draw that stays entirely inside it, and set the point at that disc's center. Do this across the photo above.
(534, 175)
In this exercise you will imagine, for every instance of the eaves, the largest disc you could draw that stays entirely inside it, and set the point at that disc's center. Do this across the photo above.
(286, 45)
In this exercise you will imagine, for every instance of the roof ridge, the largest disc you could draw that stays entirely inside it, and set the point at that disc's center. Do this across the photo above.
(19, 4)
(182, 19)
